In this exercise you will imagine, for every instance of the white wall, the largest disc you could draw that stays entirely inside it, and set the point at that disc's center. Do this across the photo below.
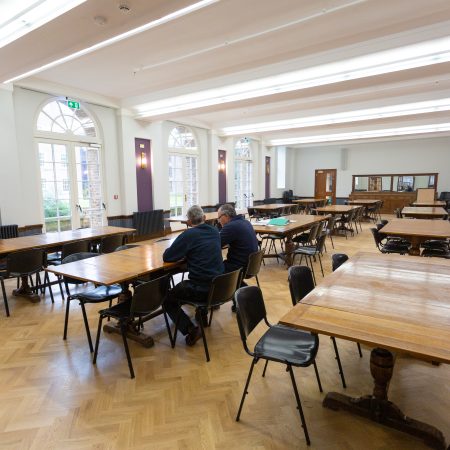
(398, 156)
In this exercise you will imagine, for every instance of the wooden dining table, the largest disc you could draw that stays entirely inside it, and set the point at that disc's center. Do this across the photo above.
(297, 224)
(272, 207)
(392, 304)
(417, 231)
(424, 212)
(308, 202)
(441, 203)
(122, 267)
(210, 217)
(52, 242)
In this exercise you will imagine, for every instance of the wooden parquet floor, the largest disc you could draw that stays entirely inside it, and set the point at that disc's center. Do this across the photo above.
(52, 397)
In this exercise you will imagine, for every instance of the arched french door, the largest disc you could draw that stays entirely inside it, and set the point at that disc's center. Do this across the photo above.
(71, 181)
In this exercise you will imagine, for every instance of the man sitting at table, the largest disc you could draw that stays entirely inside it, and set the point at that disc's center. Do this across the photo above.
(200, 246)
(239, 234)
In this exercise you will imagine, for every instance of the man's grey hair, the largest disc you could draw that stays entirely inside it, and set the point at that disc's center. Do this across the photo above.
(195, 214)
(228, 210)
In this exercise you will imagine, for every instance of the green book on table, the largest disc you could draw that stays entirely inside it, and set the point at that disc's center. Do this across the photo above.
(278, 221)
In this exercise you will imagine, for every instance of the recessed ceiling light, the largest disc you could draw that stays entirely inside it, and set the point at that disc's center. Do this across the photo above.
(154, 23)
(26, 15)
(387, 132)
(405, 109)
(408, 57)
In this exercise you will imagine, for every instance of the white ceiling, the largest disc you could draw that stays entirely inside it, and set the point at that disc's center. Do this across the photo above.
(233, 41)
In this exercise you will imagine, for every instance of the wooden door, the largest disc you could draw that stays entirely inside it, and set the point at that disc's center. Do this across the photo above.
(325, 185)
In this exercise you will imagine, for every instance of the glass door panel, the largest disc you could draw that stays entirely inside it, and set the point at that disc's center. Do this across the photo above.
(183, 183)
(89, 186)
(55, 185)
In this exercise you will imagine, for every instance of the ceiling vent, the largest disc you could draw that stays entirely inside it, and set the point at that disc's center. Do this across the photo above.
(124, 8)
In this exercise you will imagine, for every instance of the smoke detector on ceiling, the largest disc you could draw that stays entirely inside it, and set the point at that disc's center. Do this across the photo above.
(100, 20)
(124, 8)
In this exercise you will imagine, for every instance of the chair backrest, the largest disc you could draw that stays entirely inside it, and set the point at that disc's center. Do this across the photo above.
(330, 223)
(320, 243)
(223, 287)
(254, 264)
(76, 257)
(337, 260)
(250, 310)
(398, 213)
(108, 244)
(9, 231)
(301, 282)
(126, 247)
(74, 247)
(148, 297)
(25, 261)
(376, 237)
(313, 231)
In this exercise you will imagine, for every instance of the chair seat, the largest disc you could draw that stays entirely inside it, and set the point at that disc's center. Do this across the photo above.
(286, 344)
(306, 250)
(99, 294)
(438, 252)
(391, 247)
(272, 236)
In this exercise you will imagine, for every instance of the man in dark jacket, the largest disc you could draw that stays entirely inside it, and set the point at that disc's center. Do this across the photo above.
(200, 246)
(239, 234)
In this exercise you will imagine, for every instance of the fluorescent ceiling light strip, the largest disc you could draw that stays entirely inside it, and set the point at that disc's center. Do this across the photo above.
(154, 23)
(405, 109)
(418, 55)
(433, 128)
(32, 17)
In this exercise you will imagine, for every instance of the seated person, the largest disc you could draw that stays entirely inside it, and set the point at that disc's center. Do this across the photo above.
(200, 246)
(239, 234)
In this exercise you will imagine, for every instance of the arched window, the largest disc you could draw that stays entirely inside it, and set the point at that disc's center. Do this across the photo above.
(70, 166)
(183, 170)
(243, 174)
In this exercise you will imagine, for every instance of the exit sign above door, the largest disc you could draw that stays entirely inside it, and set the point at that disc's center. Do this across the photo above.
(73, 104)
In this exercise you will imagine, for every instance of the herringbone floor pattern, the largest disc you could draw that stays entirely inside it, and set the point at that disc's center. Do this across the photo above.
(52, 397)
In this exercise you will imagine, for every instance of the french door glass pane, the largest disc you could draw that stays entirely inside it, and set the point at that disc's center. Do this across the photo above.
(183, 183)
(243, 183)
(55, 192)
(89, 188)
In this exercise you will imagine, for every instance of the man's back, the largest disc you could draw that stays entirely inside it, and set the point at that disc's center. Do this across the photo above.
(239, 234)
(201, 248)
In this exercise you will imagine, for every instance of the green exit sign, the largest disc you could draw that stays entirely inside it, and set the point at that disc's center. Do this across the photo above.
(73, 104)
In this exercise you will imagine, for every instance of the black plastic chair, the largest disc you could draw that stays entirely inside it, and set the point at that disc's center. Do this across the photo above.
(301, 283)
(253, 266)
(281, 344)
(337, 260)
(23, 263)
(390, 246)
(92, 295)
(108, 244)
(147, 299)
(222, 290)
(311, 251)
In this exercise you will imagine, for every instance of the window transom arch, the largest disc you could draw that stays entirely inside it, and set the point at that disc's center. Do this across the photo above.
(182, 137)
(242, 149)
(55, 117)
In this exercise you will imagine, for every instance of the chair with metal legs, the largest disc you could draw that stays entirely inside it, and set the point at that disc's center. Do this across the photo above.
(146, 303)
(280, 344)
(301, 283)
(222, 290)
(91, 295)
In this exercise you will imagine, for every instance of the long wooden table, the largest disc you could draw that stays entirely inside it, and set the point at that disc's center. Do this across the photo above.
(53, 241)
(209, 216)
(417, 231)
(424, 212)
(336, 209)
(120, 268)
(431, 203)
(308, 202)
(272, 207)
(297, 223)
(391, 303)
(363, 202)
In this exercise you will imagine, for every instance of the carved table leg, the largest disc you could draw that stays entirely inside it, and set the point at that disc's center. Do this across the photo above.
(289, 247)
(378, 408)
(25, 291)
(415, 246)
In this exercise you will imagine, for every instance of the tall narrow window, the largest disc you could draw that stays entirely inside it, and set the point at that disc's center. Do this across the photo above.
(281, 167)
(183, 170)
(243, 174)
(70, 167)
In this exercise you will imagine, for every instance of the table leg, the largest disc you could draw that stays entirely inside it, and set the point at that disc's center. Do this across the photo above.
(25, 291)
(289, 248)
(142, 338)
(415, 246)
(378, 408)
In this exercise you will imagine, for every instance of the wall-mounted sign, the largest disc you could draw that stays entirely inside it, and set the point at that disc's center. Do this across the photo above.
(73, 104)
